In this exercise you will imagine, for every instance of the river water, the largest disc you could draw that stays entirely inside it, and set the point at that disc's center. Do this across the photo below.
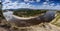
(8, 15)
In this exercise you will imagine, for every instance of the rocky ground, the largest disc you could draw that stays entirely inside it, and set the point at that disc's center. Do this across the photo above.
(40, 27)
(7, 26)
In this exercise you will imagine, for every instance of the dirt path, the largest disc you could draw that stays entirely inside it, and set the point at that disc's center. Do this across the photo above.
(48, 27)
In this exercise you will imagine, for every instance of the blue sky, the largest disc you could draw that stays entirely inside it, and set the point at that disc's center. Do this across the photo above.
(33, 4)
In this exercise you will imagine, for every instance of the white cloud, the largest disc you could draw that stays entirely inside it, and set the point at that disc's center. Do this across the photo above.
(49, 6)
(0, 0)
(17, 5)
(38, 0)
(45, 3)
(26, 0)
(52, 4)
(7, 0)
(31, 1)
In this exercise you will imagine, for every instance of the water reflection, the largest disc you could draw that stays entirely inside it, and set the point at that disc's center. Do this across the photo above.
(48, 14)
(47, 17)
(8, 15)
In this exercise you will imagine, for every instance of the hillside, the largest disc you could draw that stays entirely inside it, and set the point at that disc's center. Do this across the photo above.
(56, 21)
(8, 26)
(27, 12)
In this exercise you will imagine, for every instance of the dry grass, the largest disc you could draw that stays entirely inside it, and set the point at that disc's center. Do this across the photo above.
(56, 21)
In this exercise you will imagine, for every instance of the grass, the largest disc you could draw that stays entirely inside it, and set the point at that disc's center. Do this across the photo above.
(56, 21)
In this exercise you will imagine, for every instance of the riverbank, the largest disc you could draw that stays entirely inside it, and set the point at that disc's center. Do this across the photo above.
(46, 27)
(25, 18)
(56, 21)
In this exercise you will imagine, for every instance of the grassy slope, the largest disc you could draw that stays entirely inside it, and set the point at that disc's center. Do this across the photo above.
(56, 21)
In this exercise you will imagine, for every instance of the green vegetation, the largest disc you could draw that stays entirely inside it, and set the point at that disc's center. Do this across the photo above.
(28, 12)
(57, 19)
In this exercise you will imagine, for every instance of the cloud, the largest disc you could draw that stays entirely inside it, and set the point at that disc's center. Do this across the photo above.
(26, 0)
(52, 4)
(45, 3)
(38, 0)
(16, 5)
(7, 4)
(0, 0)
(7, 0)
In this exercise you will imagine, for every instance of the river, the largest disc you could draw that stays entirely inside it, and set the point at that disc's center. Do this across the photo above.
(8, 15)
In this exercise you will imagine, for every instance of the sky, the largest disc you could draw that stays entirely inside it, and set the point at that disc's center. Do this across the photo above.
(32, 4)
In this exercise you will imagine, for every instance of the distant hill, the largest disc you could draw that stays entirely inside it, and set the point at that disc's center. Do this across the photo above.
(32, 9)
(28, 12)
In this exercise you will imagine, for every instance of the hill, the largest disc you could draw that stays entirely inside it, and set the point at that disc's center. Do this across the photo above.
(28, 12)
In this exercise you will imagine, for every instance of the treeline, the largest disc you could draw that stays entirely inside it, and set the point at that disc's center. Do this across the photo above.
(28, 12)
